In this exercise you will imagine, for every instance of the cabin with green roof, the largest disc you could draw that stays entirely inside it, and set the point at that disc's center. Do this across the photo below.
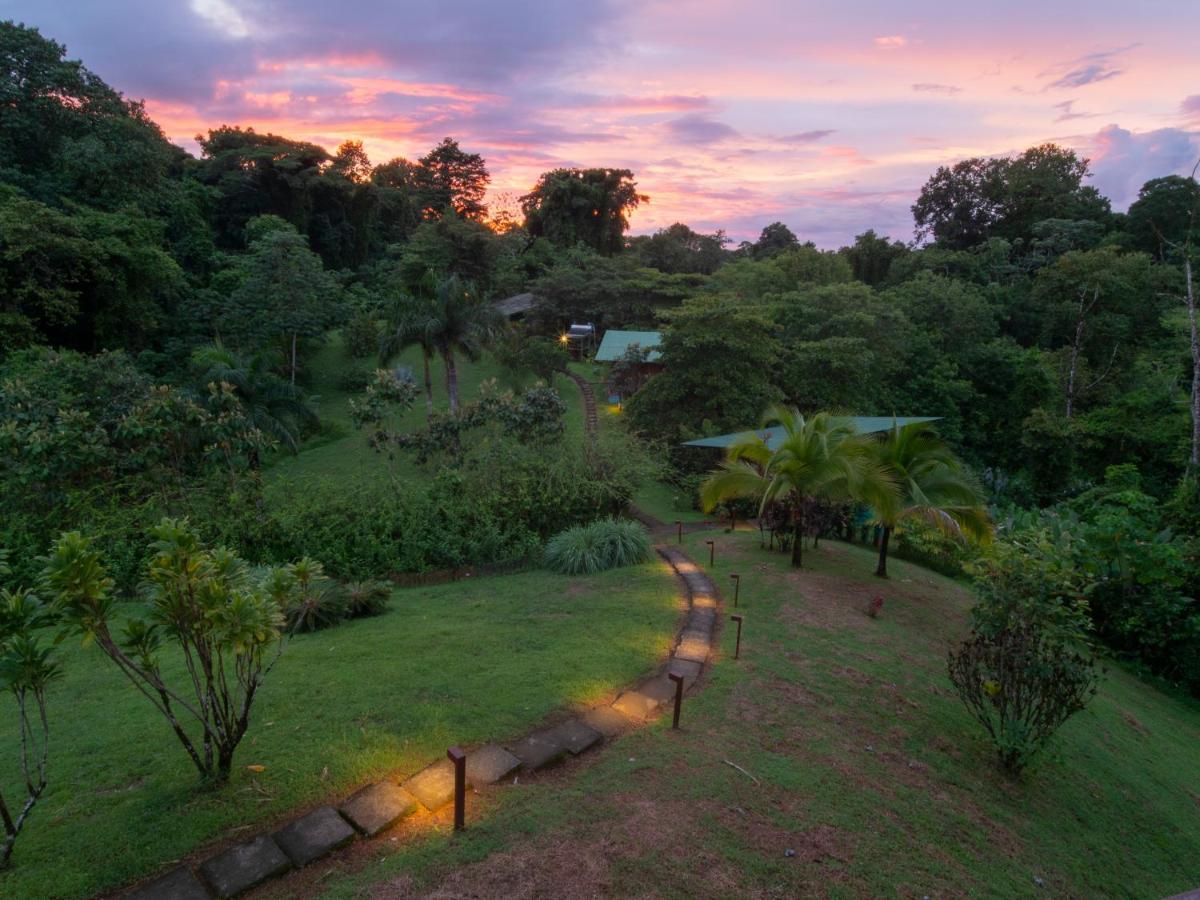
(774, 435)
(615, 343)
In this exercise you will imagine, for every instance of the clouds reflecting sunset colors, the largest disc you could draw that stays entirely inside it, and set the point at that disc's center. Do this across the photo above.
(828, 116)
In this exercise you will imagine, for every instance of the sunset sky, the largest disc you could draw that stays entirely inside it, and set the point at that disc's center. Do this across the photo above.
(827, 116)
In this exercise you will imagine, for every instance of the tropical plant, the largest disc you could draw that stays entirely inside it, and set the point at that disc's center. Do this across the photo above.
(224, 618)
(604, 544)
(932, 485)
(460, 322)
(27, 665)
(317, 601)
(273, 405)
(409, 325)
(818, 458)
(366, 598)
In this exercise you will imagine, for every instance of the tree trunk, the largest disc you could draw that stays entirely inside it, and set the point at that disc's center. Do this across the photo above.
(1077, 345)
(1190, 299)
(428, 384)
(881, 569)
(451, 381)
(293, 359)
(798, 539)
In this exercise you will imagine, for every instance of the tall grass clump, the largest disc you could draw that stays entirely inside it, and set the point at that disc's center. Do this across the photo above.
(596, 546)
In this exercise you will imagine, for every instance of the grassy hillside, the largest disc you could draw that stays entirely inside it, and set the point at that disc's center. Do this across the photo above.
(341, 451)
(460, 663)
(857, 758)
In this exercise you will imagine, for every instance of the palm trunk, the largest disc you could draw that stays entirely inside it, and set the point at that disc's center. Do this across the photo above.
(1190, 299)
(881, 569)
(451, 381)
(798, 539)
(428, 383)
(293, 359)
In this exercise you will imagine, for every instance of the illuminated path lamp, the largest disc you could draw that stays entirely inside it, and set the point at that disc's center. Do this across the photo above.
(737, 648)
(679, 528)
(737, 587)
(712, 550)
(459, 758)
(678, 679)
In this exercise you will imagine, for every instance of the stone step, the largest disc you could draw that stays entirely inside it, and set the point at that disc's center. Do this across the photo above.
(245, 866)
(489, 764)
(433, 786)
(378, 806)
(178, 884)
(312, 836)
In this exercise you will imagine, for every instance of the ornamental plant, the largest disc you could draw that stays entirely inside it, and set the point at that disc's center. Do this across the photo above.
(224, 619)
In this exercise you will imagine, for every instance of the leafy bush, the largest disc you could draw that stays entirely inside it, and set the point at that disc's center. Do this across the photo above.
(603, 544)
(1021, 684)
(921, 543)
(317, 601)
(361, 334)
(367, 598)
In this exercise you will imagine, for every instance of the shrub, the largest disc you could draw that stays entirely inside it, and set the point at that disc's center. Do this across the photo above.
(1021, 684)
(317, 601)
(367, 598)
(603, 544)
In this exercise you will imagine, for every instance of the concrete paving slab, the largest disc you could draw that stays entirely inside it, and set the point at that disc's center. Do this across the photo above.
(312, 836)
(489, 764)
(607, 721)
(433, 785)
(636, 706)
(244, 866)
(178, 884)
(378, 806)
(538, 750)
(577, 736)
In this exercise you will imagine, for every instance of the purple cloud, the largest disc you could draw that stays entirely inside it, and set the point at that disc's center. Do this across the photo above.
(1124, 160)
(930, 87)
(699, 129)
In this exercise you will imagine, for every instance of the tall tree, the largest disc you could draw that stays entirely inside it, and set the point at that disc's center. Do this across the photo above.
(284, 291)
(449, 178)
(582, 206)
(932, 485)
(1163, 217)
(775, 238)
(410, 324)
(460, 322)
(818, 458)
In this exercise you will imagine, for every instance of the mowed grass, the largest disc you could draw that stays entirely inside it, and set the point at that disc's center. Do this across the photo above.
(341, 451)
(857, 758)
(461, 663)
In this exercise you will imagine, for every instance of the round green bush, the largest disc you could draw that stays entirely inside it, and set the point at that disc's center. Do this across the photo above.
(596, 546)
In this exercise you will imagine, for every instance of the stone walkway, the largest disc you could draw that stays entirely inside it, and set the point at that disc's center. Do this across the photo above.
(378, 806)
(590, 420)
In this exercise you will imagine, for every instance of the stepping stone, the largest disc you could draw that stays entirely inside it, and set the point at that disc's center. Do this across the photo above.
(244, 866)
(538, 750)
(636, 706)
(704, 601)
(576, 735)
(702, 620)
(489, 764)
(606, 720)
(178, 884)
(692, 647)
(433, 785)
(689, 669)
(660, 689)
(378, 806)
(312, 836)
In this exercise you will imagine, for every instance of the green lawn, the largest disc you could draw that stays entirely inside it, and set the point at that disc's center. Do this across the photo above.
(867, 767)
(341, 451)
(459, 663)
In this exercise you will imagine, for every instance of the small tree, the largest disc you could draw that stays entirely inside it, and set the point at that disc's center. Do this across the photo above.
(225, 620)
(26, 667)
(628, 371)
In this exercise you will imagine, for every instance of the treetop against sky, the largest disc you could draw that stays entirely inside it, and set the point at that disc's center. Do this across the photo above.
(828, 116)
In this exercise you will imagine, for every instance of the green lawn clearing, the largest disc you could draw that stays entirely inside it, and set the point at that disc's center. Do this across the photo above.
(861, 774)
(462, 663)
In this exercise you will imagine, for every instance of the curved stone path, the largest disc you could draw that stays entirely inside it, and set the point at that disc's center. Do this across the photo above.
(378, 806)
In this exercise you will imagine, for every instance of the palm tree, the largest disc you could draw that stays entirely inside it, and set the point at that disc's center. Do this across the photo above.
(275, 407)
(461, 322)
(409, 325)
(932, 484)
(819, 458)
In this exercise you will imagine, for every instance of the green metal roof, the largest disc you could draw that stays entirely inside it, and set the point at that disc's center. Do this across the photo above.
(774, 436)
(615, 344)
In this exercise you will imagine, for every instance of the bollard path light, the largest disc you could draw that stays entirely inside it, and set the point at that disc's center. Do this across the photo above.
(737, 587)
(678, 679)
(712, 549)
(679, 529)
(459, 758)
(737, 648)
